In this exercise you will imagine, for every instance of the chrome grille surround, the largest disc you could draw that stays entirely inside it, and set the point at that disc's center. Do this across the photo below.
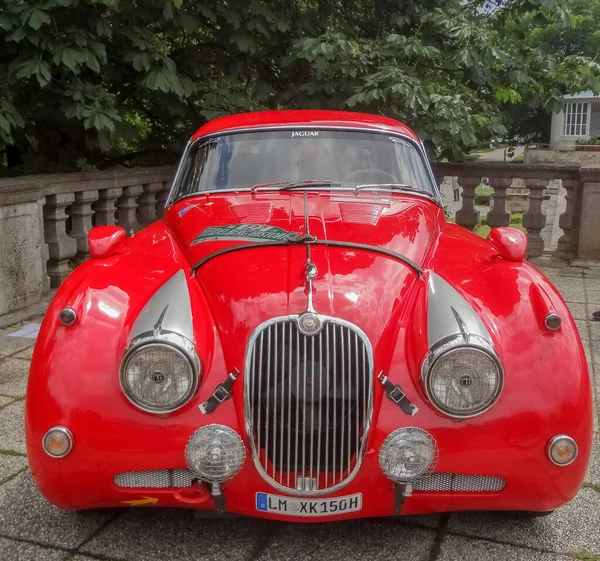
(347, 352)
(458, 482)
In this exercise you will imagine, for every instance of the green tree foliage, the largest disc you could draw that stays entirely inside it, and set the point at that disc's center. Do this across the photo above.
(86, 82)
(573, 38)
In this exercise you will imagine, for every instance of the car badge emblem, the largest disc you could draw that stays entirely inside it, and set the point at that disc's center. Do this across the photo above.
(309, 323)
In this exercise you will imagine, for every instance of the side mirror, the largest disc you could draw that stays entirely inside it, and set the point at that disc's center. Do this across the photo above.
(509, 243)
(105, 240)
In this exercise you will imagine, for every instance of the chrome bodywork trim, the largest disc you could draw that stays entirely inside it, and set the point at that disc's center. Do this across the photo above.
(417, 144)
(452, 344)
(67, 433)
(552, 321)
(67, 316)
(255, 443)
(554, 440)
(453, 324)
(172, 302)
(449, 313)
(175, 340)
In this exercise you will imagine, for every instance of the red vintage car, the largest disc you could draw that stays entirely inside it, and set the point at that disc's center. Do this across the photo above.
(304, 336)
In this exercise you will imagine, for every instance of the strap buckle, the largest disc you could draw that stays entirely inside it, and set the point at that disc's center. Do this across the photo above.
(396, 395)
(222, 393)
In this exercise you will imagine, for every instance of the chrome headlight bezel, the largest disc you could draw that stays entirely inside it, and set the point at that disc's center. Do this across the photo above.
(452, 344)
(166, 338)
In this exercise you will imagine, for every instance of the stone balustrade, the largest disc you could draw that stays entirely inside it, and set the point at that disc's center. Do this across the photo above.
(44, 220)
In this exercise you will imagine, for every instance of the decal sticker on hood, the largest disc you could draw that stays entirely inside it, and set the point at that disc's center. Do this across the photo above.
(258, 232)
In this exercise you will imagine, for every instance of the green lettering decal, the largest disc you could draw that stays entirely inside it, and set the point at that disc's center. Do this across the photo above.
(254, 232)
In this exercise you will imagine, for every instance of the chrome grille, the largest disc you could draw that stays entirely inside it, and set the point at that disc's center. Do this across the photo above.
(308, 403)
(459, 482)
(155, 478)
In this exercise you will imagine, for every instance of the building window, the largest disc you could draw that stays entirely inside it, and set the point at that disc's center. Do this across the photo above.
(576, 119)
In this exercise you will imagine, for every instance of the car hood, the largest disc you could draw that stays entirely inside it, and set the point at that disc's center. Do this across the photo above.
(245, 288)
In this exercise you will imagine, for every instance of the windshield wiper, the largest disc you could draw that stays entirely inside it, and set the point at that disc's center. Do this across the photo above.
(403, 187)
(288, 185)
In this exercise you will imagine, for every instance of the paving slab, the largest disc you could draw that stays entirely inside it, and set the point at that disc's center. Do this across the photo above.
(364, 539)
(571, 528)
(575, 293)
(12, 432)
(26, 354)
(12, 345)
(25, 514)
(161, 534)
(13, 376)
(10, 465)
(593, 298)
(458, 548)
(5, 400)
(565, 283)
(593, 473)
(553, 272)
(578, 311)
(12, 550)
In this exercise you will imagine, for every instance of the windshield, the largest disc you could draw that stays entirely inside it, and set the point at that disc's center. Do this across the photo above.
(348, 158)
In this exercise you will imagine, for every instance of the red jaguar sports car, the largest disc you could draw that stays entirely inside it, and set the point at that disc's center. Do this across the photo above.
(304, 336)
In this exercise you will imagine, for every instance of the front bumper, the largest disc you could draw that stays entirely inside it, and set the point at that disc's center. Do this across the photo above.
(506, 448)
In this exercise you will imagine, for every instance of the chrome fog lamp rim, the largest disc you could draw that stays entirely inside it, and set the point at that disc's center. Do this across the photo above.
(63, 431)
(554, 441)
(453, 344)
(398, 440)
(232, 442)
(178, 343)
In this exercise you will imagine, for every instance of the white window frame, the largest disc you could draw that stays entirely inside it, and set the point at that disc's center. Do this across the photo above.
(576, 121)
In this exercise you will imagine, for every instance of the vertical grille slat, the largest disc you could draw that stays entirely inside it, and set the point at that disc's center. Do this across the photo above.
(308, 403)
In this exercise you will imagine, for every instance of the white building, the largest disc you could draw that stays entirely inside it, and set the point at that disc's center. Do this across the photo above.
(578, 120)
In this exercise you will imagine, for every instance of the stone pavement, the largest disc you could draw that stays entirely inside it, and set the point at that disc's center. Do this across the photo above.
(32, 530)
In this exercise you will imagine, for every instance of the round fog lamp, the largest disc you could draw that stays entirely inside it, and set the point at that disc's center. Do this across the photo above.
(215, 453)
(562, 450)
(58, 442)
(407, 453)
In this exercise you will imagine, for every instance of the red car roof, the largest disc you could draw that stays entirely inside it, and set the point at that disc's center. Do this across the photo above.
(301, 118)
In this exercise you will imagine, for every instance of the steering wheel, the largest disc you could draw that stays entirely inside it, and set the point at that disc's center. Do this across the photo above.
(369, 174)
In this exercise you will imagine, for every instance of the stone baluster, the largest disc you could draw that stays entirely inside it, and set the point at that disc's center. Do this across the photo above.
(61, 247)
(534, 219)
(105, 208)
(81, 222)
(468, 215)
(498, 215)
(161, 198)
(588, 245)
(127, 209)
(568, 221)
(147, 203)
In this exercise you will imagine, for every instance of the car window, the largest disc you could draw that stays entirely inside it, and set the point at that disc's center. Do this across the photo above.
(240, 161)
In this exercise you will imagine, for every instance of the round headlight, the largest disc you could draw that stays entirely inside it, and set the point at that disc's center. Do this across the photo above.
(215, 453)
(464, 382)
(158, 376)
(407, 453)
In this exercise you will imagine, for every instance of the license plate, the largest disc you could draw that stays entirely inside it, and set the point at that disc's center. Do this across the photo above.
(266, 502)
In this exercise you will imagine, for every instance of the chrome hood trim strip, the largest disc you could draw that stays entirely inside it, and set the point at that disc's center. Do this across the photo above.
(448, 313)
(169, 309)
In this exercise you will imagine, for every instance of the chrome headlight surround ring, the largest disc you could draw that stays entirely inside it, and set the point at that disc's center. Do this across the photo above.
(170, 339)
(451, 344)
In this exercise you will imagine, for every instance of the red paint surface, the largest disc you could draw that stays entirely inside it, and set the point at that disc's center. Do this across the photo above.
(103, 241)
(74, 371)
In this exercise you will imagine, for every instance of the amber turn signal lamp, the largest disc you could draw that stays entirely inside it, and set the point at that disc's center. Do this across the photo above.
(103, 241)
(58, 442)
(509, 243)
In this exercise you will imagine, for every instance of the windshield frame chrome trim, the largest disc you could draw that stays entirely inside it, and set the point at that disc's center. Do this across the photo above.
(417, 144)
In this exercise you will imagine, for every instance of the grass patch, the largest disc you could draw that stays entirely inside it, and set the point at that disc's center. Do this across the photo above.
(518, 159)
(12, 453)
(586, 555)
(483, 229)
